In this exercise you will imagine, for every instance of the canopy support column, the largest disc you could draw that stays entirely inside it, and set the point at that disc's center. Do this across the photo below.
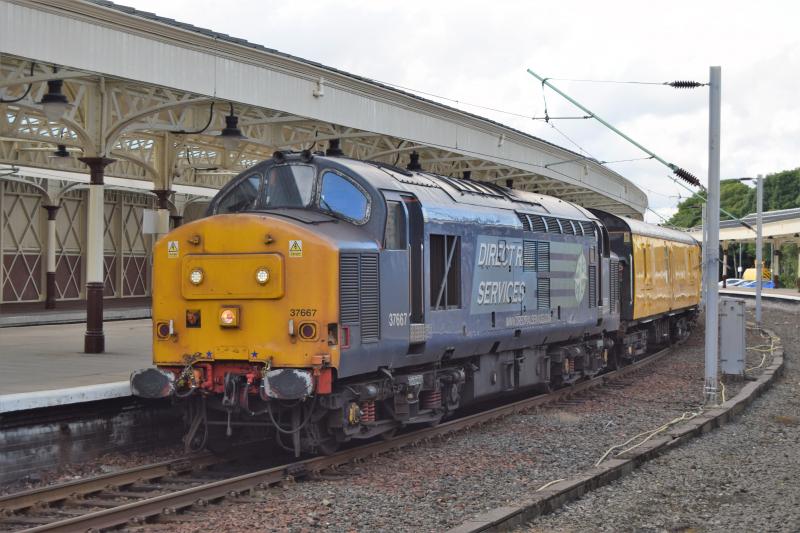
(94, 339)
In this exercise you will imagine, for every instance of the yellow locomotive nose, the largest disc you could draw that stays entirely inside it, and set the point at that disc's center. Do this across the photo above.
(252, 288)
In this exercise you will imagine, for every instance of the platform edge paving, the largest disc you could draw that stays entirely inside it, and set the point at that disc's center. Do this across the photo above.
(24, 401)
(556, 495)
(71, 317)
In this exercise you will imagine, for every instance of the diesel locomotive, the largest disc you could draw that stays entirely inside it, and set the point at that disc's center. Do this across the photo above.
(325, 299)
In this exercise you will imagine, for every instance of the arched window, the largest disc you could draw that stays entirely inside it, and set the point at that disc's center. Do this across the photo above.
(343, 197)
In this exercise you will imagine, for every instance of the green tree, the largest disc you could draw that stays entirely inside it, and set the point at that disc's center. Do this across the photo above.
(781, 191)
(734, 198)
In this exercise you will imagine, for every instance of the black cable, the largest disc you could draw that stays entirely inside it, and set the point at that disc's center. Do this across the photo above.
(290, 431)
(25, 94)
(210, 118)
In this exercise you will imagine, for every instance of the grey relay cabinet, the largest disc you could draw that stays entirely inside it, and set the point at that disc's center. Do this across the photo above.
(732, 336)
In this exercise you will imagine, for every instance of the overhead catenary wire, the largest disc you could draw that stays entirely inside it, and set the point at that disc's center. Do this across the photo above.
(678, 84)
(547, 118)
(484, 107)
(626, 160)
(678, 171)
(567, 137)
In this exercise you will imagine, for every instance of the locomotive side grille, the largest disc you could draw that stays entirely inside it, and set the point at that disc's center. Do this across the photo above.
(543, 293)
(370, 298)
(588, 228)
(359, 294)
(542, 256)
(566, 226)
(537, 223)
(348, 289)
(526, 223)
(529, 256)
(593, 286)
(533, 222)
(552, 225)
(613, 280)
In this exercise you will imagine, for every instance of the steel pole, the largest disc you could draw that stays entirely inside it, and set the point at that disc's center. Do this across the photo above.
(759, 245)
(711, 273)
(704, 256)
(740, 268)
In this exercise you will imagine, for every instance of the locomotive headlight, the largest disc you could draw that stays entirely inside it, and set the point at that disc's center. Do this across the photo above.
(196, 276)
(262, 276)
(229, 317)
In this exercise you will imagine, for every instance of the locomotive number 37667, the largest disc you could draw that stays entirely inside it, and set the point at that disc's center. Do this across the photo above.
(398, 319)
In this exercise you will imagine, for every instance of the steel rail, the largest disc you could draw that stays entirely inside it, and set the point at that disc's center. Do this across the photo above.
(140, 511)
(74, 489)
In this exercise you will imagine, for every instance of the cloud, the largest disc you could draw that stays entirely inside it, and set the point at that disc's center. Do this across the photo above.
(478, 52)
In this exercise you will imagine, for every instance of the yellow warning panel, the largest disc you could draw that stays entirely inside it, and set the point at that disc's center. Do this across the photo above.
(172, 249)
(295, 248)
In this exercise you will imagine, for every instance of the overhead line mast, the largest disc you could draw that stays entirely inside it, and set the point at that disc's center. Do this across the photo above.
(681, 173)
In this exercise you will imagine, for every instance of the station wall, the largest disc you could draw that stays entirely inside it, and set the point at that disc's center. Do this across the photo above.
(23, 244)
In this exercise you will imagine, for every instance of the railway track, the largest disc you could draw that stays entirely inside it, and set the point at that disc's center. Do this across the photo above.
(140, 494)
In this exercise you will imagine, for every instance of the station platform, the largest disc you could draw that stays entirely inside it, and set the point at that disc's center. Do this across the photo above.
(70, 312)
(44, 365)
(786, 295)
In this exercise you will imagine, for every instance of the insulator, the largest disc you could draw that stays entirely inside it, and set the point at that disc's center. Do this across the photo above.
(685, 84)
(686, 176)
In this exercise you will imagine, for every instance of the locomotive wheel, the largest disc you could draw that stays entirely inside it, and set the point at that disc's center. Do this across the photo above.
(328, 446)
(321, 438)
(219, 444)
(389, 434)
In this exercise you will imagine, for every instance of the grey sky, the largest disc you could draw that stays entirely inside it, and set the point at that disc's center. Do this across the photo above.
(478, 51)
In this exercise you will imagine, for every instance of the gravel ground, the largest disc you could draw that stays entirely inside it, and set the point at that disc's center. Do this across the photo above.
(742, 477)
(111, 462)
(438, 485)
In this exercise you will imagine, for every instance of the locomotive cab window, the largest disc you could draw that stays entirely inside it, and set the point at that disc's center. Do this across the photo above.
(395, 235)
(343, 197)
(242, 197)
(288, 186)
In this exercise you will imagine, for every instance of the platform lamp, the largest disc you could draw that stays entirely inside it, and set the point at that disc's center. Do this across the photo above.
(61, 157)
(231, 134)
(54, 102)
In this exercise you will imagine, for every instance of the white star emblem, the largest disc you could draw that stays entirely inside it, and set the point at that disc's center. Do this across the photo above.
(580, 278)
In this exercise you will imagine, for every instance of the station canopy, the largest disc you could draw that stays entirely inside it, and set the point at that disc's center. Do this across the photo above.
(781, 226)
(155, 94)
